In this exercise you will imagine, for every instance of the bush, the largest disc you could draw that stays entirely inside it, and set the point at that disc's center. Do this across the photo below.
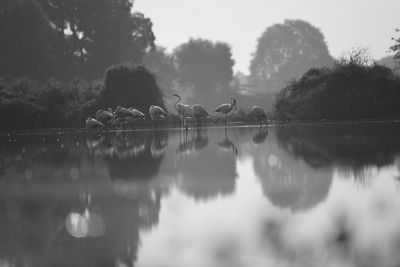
(130, 87)
(347, 91)
(25, 104)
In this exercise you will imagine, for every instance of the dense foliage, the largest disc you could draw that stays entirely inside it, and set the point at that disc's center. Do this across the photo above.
(349, 90)
(25, 104)
(286, 51)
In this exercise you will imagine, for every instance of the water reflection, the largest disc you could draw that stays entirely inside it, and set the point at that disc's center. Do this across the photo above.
(290, 197)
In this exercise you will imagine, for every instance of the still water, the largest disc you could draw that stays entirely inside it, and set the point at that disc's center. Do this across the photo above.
(283, 196)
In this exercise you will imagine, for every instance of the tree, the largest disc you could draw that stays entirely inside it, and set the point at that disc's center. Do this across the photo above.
(285, 52)
(162, 65)
(95, 34)
(207, 67)
(130, 87)
(396, 47)
(391, 63)
(25, 39)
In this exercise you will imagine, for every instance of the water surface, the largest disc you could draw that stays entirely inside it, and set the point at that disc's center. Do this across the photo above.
(323, 195)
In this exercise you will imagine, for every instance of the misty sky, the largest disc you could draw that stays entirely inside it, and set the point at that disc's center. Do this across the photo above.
(345, 23)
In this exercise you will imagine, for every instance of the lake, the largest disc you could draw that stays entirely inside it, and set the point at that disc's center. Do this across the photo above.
(299, 195)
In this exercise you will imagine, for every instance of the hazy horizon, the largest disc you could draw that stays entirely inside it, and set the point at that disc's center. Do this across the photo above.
(361, 23)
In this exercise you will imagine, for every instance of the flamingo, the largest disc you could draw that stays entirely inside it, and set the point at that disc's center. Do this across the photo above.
(179, 108)
(93, 123)
(183, 110)
(260, 114)
(128, 115)
(226, 108)
(105, 116)
(199, 112)
(156, 114)
(136, 113)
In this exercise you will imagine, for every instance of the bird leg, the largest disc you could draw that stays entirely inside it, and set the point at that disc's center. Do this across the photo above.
(225, 120)
(266, 122)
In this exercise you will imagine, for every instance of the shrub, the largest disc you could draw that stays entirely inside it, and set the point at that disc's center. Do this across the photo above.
(130, 87)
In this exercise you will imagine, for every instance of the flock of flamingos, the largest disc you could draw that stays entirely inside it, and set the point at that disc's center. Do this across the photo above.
(127, 116)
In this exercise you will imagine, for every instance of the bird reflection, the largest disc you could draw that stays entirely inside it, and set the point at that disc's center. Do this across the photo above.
(120, 144)
(185, 147)
(199, 140)
(93, 140)
(228, 145)
(261, 136)
(159, 144)
(128, 144)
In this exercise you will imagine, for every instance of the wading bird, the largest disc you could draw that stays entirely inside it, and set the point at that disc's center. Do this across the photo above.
(226, 108)
(183, 110)
(105, 116)
(137, 114)
(127, 115)
(93, 123)
(259, 113)
(198, 112)
(156, 114)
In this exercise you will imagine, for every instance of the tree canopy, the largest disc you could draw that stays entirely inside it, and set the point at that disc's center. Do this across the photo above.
(66, 38)
(396, 47)
(207, 67)
(285, 52)
(25, 37)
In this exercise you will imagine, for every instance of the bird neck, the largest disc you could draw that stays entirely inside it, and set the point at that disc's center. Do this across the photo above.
(177, 101)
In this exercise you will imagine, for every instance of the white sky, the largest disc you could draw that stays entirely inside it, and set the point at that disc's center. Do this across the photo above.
(345, 23)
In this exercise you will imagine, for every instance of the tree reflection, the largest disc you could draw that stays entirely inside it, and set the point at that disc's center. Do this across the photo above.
(346, 146)
(288, 182)
(137, 156)
(211, 172)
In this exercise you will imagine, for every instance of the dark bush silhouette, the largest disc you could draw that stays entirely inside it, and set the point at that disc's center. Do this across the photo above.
(25, 104)
(347, 91)
(130, 87)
